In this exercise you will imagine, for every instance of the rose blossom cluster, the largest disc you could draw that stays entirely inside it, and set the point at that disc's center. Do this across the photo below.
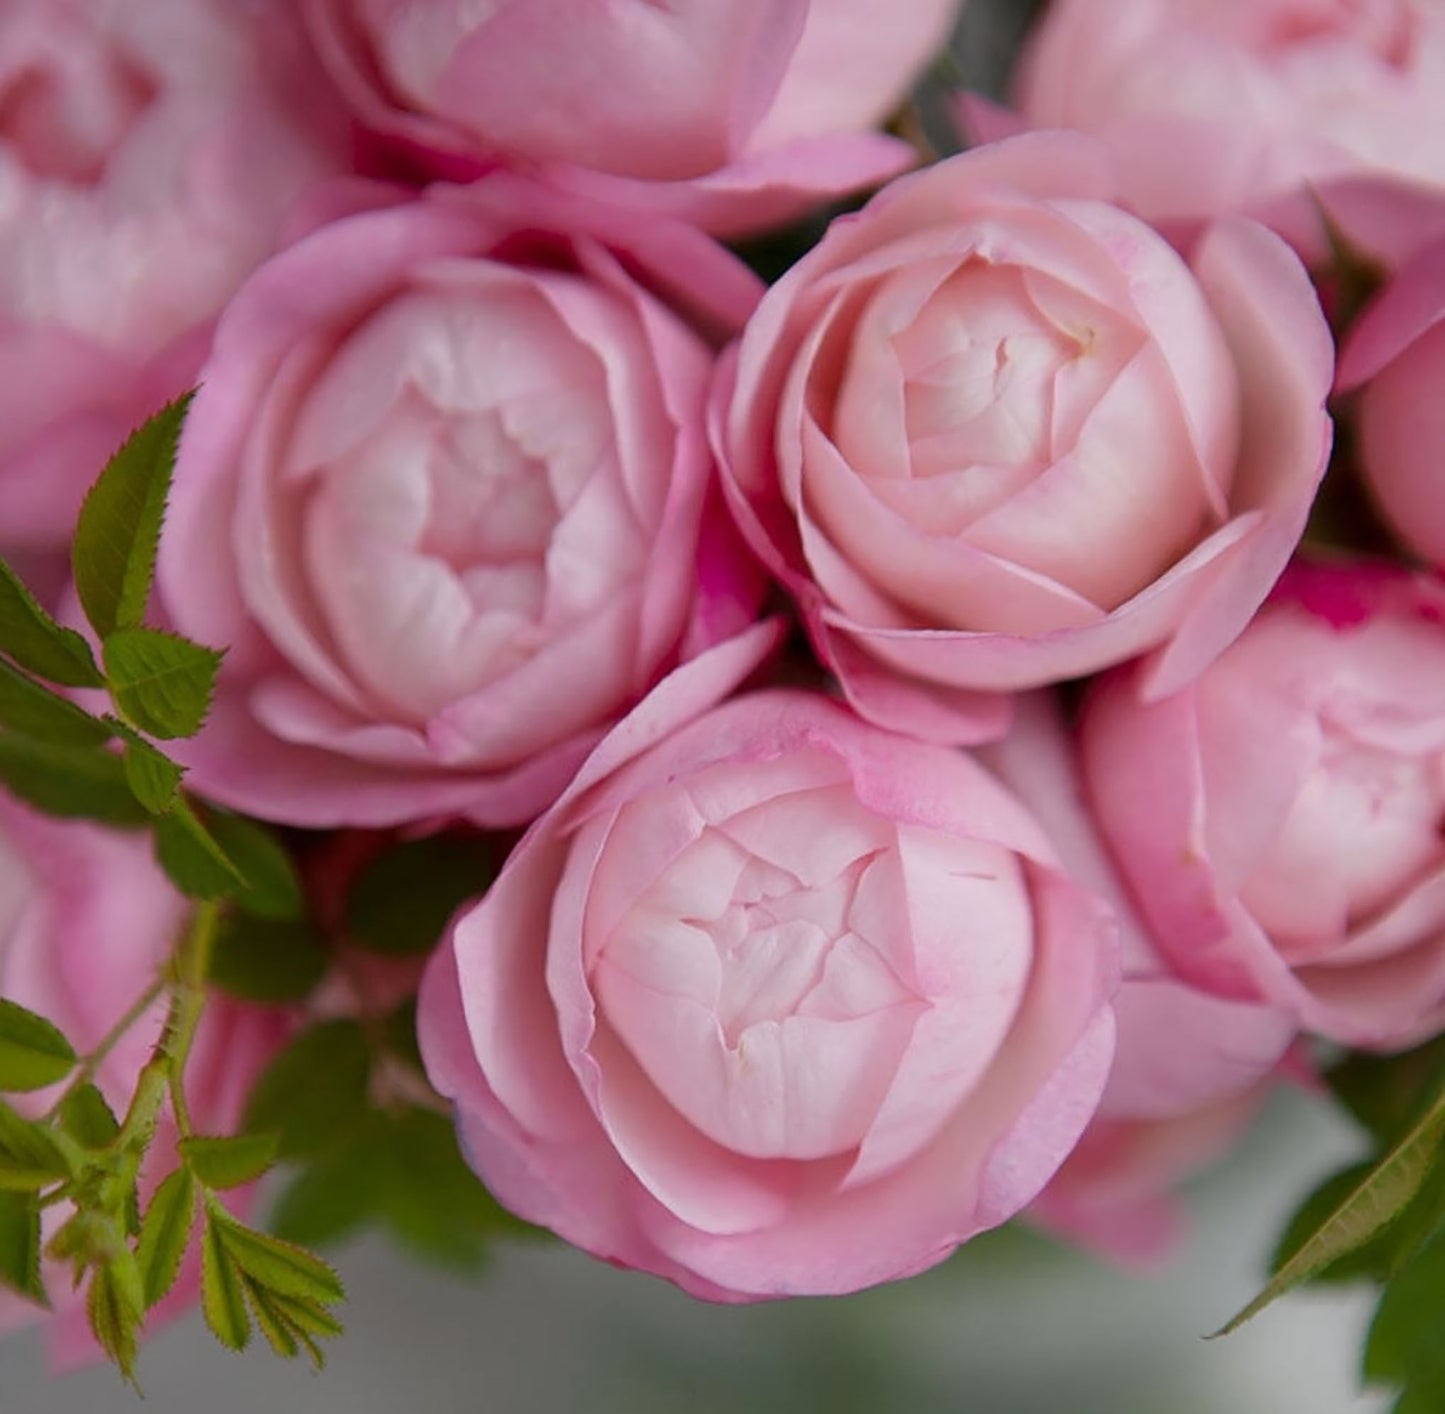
(1082, 797)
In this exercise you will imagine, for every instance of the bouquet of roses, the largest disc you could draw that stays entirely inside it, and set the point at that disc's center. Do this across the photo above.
(538, 726)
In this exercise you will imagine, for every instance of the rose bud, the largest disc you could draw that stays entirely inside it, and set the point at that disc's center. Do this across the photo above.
(729, 114)
(992, 432)
(1395, 357)
(1242, 105)
(150, 157)
(1191, 1070)
(87, 921)
(773, 1002)
(1279, 822)
(444, 495)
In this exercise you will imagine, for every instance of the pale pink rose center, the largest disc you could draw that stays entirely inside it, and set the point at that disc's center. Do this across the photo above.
(1366, 825)
(67, 100)
(770, 1005)
(768, 985)
(476, 509)
(997, 407)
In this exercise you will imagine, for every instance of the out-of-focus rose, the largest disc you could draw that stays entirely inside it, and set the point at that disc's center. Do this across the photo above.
(150, 155)
(86, 922)
(1190, 1070)
(732, 114)
(1279, 823)
(785, 1004)
(1215, 106)
(444, 493)
(1395, 356)
(992, 432)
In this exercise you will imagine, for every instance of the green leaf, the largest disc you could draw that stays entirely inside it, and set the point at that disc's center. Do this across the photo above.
(166, 1233)
(264, 960)
(33, 1052)
(69, 781)
(223, 1299)
(403, 901)
(30, 1157)
(271, 1323)
(114, 554)
(31, 638)
(1405, 1336)
(20, 1246)
(272, 888)
(192, 859)
(315, 1091)
(229, 1160)
(88, 1118)
(335, 1194)
(1387, 1094)
(431, 1202)
(35, 711)
(279, 1266)
(162, 682)
(154, 779)
(1371, 1260)
(304, 1316)
(1372, 1203)
(116, 1310)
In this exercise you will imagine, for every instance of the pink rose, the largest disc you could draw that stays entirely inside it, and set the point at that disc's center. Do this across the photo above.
(86, 921)
(1279, 822)
(731, 114)
(444, 495)
(149, 156)
(1190, 1069)
(1395, 357)
(1215, 106)
(781, 1004)
(992, 432)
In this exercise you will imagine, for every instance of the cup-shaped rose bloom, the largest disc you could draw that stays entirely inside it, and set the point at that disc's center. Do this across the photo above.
(87, 921)
(783, 1005)
(993, 432)
(730, 114)
(150, 157)
(1279, 823)
(1395, 358)
(1190, 1069)
(443, 492)
(1213, 106)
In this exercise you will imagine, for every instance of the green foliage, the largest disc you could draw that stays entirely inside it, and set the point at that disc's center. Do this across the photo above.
(33, 1053)
(404, 899)
(154, 779)
(361, 1164)
(114, 554)
(20, 1246)
(33, 710)
(272, 888)
(30, 638)
(192, 859)
(86, 1117)
(72, 782)
(266, 960)
(31, 1155)
(287, 1289)
(161, 682)
(315, 1092)
(1374, 1201)
(229, 1160)
(165, 1234)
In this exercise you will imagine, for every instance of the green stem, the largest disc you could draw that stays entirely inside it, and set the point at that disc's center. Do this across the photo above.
(91, 1062)
(192, 966)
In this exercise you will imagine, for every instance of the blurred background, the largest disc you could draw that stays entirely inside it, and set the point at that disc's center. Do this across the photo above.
(1012, 1325)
